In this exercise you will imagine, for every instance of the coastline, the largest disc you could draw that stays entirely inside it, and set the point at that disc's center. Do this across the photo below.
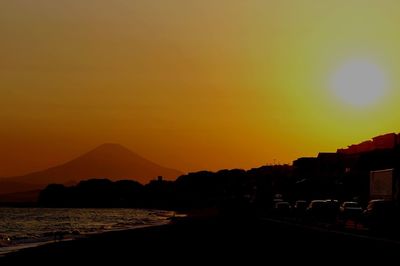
(207, 239)
(40, 226)
(7, 250)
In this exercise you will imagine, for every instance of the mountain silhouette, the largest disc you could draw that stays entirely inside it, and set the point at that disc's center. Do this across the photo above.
(111, 161)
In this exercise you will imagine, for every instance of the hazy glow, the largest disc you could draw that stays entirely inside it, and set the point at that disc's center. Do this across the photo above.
(359, 82)
(195, 85)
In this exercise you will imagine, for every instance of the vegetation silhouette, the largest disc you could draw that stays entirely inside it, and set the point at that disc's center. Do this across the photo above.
(195, 190)
(343, 175)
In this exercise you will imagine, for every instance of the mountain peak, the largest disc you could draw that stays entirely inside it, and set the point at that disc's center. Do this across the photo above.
(114, 153)
(109, 160)
(111, 147)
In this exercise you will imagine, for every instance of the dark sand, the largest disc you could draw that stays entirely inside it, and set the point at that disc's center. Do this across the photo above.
(211, 240)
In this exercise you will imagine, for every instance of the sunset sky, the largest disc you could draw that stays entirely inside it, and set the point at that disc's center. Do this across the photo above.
(193, 85)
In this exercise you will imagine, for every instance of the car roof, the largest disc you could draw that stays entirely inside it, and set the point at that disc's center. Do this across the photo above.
(378, 200)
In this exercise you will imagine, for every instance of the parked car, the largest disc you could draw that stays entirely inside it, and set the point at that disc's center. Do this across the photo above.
(380, 214)
(300, 207)
(350, 210)
(282, 208)
(317, 207)
(325, 210)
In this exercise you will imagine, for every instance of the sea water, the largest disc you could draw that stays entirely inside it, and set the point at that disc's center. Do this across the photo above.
(27, 227)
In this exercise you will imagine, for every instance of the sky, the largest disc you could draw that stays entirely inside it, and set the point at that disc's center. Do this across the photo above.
(191, 85)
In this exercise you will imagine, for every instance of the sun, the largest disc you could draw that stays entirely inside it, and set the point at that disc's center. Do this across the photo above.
(359, 83)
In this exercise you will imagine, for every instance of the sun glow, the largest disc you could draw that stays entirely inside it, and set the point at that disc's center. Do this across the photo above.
(359, 83)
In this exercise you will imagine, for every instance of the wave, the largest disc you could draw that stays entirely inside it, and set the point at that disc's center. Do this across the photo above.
(24, 228)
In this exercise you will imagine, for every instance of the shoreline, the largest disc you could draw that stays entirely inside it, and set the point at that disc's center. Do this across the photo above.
(7, 250)
(207, 239)
(36, 230)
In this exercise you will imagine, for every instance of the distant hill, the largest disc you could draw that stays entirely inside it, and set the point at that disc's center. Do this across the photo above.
(111, 161)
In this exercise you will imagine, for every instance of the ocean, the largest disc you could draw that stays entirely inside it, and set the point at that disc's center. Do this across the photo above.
(28, 227)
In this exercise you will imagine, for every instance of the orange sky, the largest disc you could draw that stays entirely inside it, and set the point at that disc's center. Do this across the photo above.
(188, 84)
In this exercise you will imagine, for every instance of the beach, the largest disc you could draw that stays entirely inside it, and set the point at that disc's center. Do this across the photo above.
(186, 241)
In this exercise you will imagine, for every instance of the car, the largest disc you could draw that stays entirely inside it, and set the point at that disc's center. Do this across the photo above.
(379, 207)
(350, 210)
(317, 207)
(380, 214)
(300, 207)
(325, 210)
(282, 208)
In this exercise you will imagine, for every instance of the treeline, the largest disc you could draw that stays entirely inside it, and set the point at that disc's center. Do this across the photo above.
(330, 175)
(195, 190)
